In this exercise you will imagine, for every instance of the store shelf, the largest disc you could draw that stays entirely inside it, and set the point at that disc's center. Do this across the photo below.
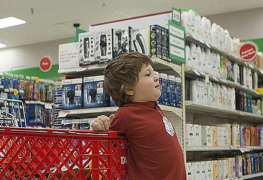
(227, 148)
(107, 110)
(194, 72)
(220, 112)
(222, 53)
(251, 176)
(96, 69)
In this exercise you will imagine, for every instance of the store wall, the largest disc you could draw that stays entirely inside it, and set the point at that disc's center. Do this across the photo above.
(242, 24)
(29, 56)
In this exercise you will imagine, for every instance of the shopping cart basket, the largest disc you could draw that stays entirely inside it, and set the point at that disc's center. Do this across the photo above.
(27, 153)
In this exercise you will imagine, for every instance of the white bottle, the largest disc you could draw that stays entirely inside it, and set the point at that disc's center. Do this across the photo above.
(217, 65)
(193, 52)
(188, 56)
(221, 38)
(186, 22)
(215, 35)
(208, 61)
(233, 99)
(209, 32)
(199, 56)
(197, 26)
(192, 17)
(203, 60)
(236, 76)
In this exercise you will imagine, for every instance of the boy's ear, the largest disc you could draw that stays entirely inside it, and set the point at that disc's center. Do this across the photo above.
(130, 92)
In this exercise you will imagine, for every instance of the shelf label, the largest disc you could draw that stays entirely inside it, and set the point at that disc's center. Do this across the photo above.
(68, 56)
(176, 42)
(63, 113)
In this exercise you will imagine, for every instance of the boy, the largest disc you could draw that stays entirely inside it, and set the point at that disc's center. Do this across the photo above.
(154, 152)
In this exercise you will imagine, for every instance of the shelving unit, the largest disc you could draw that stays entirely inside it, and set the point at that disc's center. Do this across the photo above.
(213, 114)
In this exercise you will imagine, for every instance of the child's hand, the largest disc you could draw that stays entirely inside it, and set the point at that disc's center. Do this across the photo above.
(102, 123)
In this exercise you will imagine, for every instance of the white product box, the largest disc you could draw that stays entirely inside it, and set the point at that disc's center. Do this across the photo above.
(140, 40)
(206, 136)
(215, 170)
(87, 47)
(203, 170)
(209, 171)
(103, 45)
(189, 140)
(197, 170)
(221, 169)
(197, 135)
(190, 171)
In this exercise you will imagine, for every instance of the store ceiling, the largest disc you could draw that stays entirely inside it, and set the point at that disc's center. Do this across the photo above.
(49, 20)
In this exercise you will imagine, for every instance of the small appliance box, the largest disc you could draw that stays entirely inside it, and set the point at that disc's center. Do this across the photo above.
(86, 50)
(121, 41)
(165, 44)
(163, 86)
(171, 91)
(156, 41)
(103, 46)
(140, 40)
(94, 94)
(72, 93)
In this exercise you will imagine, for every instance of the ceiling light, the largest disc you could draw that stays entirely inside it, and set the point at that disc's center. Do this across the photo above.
(10, 21)
(2, 45)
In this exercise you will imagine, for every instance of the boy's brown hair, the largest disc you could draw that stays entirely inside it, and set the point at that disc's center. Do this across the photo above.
(121, 75)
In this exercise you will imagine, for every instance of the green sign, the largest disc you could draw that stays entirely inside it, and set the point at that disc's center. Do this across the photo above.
(176, 42)
(176, 16)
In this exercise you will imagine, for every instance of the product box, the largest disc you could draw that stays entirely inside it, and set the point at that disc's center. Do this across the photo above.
(214, 136)
(190, 171)
(178, 92)
(197, 135)
(207, 136)
(215, 170)
(87, 47)
(203, 170)
(235, 135)
(156, 41)
(72, 93)
(163, 87)
(165, 44)
(171, 91)
(197, 170)
(121, 41)
(103, 43)
(209, 171)
(189, 140)
(94, 94)
(140, 40)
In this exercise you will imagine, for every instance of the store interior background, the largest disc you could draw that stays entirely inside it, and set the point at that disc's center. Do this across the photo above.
(50, 23)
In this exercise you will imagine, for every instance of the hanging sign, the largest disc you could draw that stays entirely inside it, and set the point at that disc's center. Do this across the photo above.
(248, 51)
(45, 63)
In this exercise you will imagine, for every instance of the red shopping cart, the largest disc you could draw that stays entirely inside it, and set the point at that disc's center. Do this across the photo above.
(27, 153)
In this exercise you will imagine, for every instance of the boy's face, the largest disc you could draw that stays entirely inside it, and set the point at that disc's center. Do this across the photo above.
(147, 87)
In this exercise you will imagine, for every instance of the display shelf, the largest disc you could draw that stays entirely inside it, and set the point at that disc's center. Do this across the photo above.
(222, 53)
(251, 176)
(106, 110)
(220, 112)
(95, 69)
(194, 72)
(226, 148)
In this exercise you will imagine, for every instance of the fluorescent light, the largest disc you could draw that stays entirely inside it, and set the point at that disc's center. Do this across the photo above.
(10, 21)
(2, 45)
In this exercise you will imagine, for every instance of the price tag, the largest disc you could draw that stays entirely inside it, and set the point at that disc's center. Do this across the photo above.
(215, 78)
(196, 72)
(63, 113)
(37, 79)
(201, 41)
(207, 79)
(48, 106)
(208, 45)
(15, 91)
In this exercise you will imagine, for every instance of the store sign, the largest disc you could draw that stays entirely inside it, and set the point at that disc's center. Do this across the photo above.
(45, 63)
(248, 51)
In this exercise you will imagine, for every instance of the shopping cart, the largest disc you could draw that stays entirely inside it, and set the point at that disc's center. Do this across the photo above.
(27, 153)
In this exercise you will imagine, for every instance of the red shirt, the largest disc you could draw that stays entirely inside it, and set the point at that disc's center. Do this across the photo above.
(153, 154)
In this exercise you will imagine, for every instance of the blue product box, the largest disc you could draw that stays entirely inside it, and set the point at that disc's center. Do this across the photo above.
(94, 94)
(155, 41)
(178, 92)
(72, 93)
(163, 84)
(171, 90)
(88, 91)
